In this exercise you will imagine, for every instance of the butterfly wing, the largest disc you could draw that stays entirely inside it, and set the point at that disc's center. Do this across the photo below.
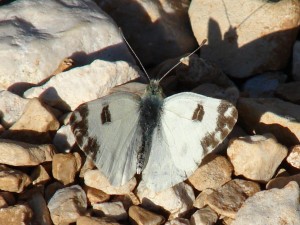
(107, 130)
(191, 126)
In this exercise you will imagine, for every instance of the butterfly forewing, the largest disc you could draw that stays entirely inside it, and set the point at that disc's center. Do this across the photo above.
(107, 130)
(191, 126)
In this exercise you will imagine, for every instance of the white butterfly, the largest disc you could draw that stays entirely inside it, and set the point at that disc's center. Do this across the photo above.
(165, 140)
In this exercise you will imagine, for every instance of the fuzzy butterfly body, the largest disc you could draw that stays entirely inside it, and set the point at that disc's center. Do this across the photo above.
(163, 139)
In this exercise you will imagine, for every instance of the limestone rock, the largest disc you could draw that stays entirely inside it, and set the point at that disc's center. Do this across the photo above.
(200, 201)
(264, 151)
(65, 167)
(17, 214)
(112, 210)
(177, 200)
(79, 30)
(95, 179)
(39, 175)
(215, 170)
(271, 115)
(178, 221)
(142, 216)
(86, 83)
(280, 182)
(204, 216)
(87, 220)
(294, 157)
(157, 30)
(95, 196)
(275, 206)
(41, 213)
(67, 205)
(273, 27)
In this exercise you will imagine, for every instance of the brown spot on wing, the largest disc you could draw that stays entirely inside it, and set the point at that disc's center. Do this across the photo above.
(105, 115)
(198, 113)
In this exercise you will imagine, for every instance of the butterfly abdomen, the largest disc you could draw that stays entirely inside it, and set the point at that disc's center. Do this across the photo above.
(150, 113)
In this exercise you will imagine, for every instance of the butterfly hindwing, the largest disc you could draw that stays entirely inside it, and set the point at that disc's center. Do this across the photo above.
(191, 126)
(107, 130)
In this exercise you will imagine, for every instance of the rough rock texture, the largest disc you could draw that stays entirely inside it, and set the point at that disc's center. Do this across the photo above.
(276, 206)
(264, 151)
(240, 31)
(204, 216)
(289, 91)
(294, 157)
(17, 214)
(142, 216)
(68, 29)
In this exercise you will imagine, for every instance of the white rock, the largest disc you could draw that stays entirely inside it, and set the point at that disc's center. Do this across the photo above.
(263, 85)
(177, 200)
(64, 139)
(294, 157)
(204, 216)
(157, 30)
(113, 210)
(39, 35)
(264, 151)
(67, 205)
(11, 107)
(296, 61)
(95, 179)
(69, 89)
(275, 206)
(243, 34)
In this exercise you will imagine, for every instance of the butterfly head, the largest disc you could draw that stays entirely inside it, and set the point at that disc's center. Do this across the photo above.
(154, 89)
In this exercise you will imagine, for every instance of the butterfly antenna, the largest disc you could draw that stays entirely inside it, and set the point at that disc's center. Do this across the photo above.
(134, 53)
(181, 60)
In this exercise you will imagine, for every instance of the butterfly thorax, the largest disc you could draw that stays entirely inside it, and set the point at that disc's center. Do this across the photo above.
(150, 113)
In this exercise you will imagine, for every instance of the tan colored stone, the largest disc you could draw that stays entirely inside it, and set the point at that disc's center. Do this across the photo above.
(65, 167)
(227, 199)
(289, 91)
(113, 210)
(8, 197)
(141, 216)
(95, 179)
(87, 220)
(87, 165)
(204, 216)
(67, 205)
(39, 175)
(215, 170)
(280, 182)
(13, 180)
(17, 214)
(271, 115)
(178, 221)
(95, 196)
(200, 201)
(294, 157)
(41, 215)
(3, 203)
(248, 187)
(35, 124)
(270, 207)
(16, 153)
(265, 153)
(51, 189)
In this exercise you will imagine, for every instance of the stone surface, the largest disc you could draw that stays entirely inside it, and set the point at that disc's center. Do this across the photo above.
(113, 210)
(265, 153)
(248, 187)
(289, 91)
(294, 157)
(17, 214)
(65, 167)
(177, 200)
(200, 201)
(11, 107)
(68, 29)
(95, 179)
(215, 170)
(87, 220)
(275, 206)
(64, 139)
(263, 85)
(95, 196)
(41, 213)
(13, 180)
(35, 125)
(142, 216)
(296, 61)
(86, 83)
(204, 216)
(51, 189)
(67, 205)
(39, 175)
(280, 182)
(156, 30)
(178, 221)
(271, 115)
(227, 199)
(240, 31)
(16, 153)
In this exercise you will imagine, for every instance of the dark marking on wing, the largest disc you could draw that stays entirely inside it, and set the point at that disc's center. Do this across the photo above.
(79, 123)
(198, 113)
(105, 115)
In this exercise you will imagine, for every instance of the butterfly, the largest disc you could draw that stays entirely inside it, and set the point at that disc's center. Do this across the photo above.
(163, 139)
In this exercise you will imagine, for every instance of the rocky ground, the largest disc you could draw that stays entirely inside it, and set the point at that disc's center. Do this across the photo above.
(56, 55)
